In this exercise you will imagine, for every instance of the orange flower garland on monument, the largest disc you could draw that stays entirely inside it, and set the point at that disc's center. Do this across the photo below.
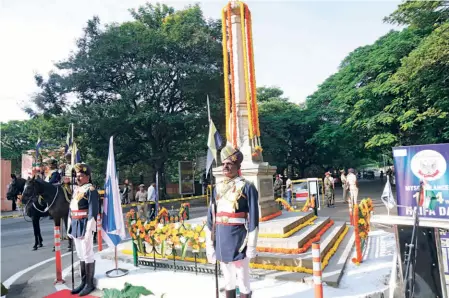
(231, 62)
(245, 67)
(226, 72)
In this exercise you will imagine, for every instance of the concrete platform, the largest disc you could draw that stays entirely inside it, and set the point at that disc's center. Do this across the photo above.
(284, 223)
(296, 240)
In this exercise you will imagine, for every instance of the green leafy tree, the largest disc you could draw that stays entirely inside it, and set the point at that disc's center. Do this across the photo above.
(144, 82)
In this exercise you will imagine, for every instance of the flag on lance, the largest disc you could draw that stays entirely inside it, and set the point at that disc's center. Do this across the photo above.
(387, 196)
(112, 221)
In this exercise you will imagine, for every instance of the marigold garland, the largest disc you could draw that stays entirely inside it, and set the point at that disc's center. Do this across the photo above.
(324, 263)
(271, 216)
(334, 248)
(245, 67)
(286, 205)
(226, 71)
(231, 63)
(302, 249)
(252, 70)
(292, 231)
(362, 213)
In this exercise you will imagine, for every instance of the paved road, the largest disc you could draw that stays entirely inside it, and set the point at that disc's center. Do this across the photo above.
(17, 240)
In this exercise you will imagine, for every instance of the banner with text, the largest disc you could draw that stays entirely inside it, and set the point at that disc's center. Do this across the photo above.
(428, 163)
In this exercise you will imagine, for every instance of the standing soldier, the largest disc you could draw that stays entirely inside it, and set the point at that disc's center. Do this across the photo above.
(233, 224)
(344, 185)
(329, 190)
(278, 187)
(83, 212)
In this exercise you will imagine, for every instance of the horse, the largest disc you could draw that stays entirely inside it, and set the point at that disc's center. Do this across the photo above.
(56, 197)
(15, 188)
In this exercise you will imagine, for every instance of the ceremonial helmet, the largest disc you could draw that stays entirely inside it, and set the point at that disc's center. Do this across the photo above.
(83, 168)
(231, 153)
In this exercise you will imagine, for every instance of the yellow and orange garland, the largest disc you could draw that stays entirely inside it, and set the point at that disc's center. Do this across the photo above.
(324, 263)
(362, 214)
(249, 76)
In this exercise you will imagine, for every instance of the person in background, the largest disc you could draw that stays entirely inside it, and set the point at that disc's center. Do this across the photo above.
(141, 197)
(329, 190)
(278, 187)
(125, 192)
(53, 175)
(289, 189)
(151, 197)
(353, 187)
(344, 185)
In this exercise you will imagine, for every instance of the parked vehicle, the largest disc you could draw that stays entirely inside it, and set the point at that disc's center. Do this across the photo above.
(300, 191)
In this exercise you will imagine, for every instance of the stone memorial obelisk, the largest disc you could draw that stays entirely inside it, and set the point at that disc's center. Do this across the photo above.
(242, 119)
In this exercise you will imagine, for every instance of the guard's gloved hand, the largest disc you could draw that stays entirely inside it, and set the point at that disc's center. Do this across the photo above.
(251, 252)
(210, 250)
(211, 258)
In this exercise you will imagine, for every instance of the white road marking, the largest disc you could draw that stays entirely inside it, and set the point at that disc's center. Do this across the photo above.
(16, 276)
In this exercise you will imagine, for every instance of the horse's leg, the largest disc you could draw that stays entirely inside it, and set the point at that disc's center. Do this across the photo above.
(35, 221)
(39, 235)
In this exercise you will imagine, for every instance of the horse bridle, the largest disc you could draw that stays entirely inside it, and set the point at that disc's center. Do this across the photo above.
(34, 195)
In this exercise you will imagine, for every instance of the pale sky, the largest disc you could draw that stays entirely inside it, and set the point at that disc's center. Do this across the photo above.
(297, 44)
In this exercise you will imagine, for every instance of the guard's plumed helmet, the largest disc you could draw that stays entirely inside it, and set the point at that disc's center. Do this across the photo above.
(83, 168)
(231, 153)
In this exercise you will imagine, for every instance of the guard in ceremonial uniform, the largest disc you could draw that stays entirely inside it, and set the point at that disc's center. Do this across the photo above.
(83, 212)
(233, 224)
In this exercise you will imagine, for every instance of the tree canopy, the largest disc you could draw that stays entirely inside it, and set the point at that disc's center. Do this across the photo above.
(145, 82)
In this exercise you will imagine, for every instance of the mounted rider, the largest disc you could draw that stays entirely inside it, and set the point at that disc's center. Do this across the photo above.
(84, 208)
(52, 176)
(233, 224)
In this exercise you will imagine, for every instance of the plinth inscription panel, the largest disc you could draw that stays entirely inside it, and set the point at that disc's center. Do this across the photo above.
(265, 187)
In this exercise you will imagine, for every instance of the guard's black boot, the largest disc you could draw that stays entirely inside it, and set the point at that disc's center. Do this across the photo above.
(90, 272)
(83, 278)
(40, 241)
(245, 295)
(230, 293)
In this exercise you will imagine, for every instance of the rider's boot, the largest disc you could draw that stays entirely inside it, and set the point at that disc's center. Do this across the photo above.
(90, 272)
(83, 278)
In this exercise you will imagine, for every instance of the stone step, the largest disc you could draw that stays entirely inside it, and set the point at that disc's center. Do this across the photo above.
(331, 275)
(334, 270)
(304, 259)
(284, 223)
(296, 240)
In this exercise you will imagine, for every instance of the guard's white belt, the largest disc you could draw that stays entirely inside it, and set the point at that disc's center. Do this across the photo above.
(230, 220)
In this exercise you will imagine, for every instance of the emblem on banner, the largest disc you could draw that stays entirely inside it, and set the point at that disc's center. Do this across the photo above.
(429, 165)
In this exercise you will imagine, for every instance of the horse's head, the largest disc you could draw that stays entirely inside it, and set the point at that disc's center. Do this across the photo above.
(32, 189)
(15, 187)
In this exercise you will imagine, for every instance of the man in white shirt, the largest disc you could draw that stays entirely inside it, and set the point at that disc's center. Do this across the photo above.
(288, 190)
(344, 185)
(353, 186)
(152, 198)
